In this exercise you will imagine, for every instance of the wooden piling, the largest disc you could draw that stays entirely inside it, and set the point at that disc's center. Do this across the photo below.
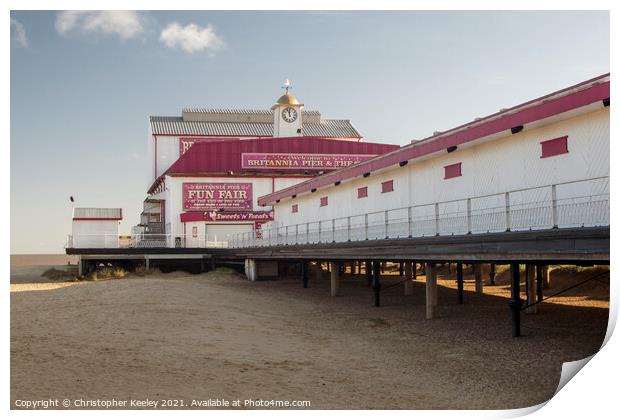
(478, 277)
(335, 278)
(531, 288)
(376, 284)
(515, 300)
(431, 291)
(492, 274)
(368, 269)
(459, 283)
(408, 278)
(539, 283)
(304, 274)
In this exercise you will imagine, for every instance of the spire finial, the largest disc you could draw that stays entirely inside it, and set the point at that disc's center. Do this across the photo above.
(286, 86)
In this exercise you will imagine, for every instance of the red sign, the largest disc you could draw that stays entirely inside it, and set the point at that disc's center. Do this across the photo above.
(299, 160)
(186, 142)
(217, 195)
(233, 216)
(257, 228)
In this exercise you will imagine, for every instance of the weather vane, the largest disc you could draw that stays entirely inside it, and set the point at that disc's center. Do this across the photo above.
(287, 85)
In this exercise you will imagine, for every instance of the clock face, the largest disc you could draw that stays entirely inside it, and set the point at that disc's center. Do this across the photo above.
(289, 114)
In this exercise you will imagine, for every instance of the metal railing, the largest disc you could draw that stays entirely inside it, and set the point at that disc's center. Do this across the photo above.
(571, 204)
(145, 240)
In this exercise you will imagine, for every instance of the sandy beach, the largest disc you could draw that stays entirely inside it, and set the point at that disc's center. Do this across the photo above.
(216, 335)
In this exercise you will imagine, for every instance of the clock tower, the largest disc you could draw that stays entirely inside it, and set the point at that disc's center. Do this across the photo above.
(287, 115)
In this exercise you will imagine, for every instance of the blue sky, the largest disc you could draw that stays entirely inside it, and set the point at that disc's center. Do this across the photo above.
(83, 85)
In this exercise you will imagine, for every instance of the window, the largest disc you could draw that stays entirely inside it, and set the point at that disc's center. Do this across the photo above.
(387, 186)
(554, 147)
(452, 171)
(362, 192)
(294, 208)
(323, 201)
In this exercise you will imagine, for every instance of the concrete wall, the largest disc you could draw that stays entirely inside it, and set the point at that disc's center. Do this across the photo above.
(508, 163)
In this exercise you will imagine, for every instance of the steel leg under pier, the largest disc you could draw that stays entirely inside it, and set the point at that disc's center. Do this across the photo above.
(459, 282)
(515, 300)
(376, 284)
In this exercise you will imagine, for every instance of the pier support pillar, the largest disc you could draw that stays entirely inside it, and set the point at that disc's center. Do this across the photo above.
(531, 289)
(492, 273)
(255, 270)
(539, 283)
(515, 299)
(414, 269)
(304, 274)
(250, 270)
(376, 283)
(81, 270)
(147, 263)
(335, 278)
(408, 278)
(545, 276)
(431, 291)
(478, 277)
(459, 283)
(368, 270)
(319, 271)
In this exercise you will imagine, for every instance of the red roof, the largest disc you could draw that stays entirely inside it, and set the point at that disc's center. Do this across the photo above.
(224, 156)
(221, 157)
(582, 94)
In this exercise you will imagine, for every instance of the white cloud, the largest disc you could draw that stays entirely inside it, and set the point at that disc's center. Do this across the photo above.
(125, 24)
(191, 38)
(19, 33)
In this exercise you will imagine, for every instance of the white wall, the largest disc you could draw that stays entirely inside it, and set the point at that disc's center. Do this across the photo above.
(167, 153)
(510, 163)
(150, 150)
(95, 233)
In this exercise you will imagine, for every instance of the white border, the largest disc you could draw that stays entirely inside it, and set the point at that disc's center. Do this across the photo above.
(592, 394)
